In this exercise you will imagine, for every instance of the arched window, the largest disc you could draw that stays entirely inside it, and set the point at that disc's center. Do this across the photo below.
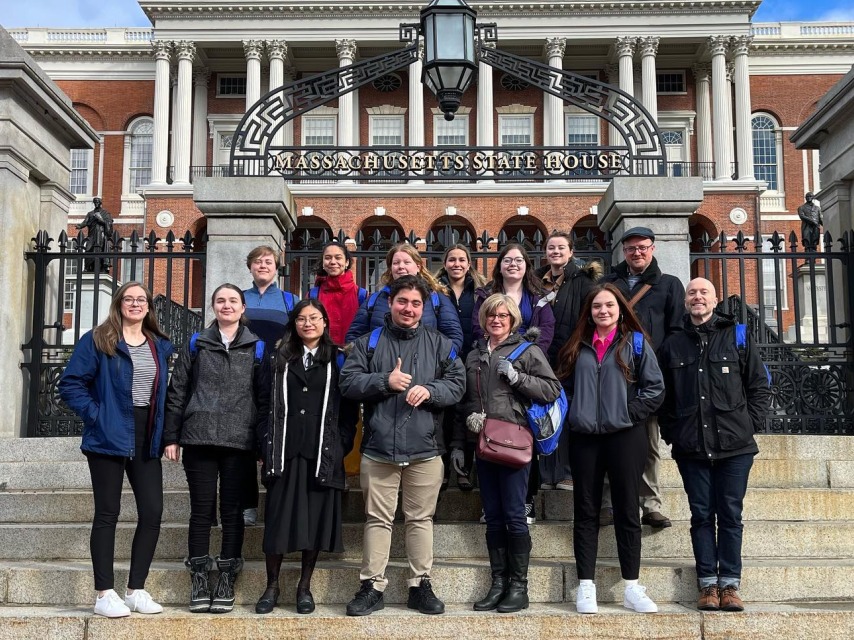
(767, 155)
(138, 147)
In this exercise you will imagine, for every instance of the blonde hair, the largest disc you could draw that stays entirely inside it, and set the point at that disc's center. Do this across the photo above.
(412, 252)
(491, 304)
(107, 334)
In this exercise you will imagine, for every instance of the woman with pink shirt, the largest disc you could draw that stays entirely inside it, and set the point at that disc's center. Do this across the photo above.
(612, 387)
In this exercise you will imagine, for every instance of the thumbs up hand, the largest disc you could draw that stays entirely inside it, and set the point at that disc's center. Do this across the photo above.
(397, 379)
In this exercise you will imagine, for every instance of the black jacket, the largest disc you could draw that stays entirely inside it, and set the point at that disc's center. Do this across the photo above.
(394, 430)
(577, 283)
(717, 394)
(337, 426)
(465, 307)
(218, 397)
(661, 309)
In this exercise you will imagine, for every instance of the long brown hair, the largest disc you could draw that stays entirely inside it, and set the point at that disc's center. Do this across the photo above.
(531, 283)
(627, 324)
(107, 334)
(412, 252)
(476, 276)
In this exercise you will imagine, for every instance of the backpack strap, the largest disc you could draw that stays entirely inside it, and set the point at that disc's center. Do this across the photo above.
(372, 301)
(340, 358)
(637, 343)
(362, 294)
(741, 336)
(259, 351)
(437, 304)
(314, 293)
(193, 348)
(288, 299)
(373, 340)
(519, 350)
(640, 293)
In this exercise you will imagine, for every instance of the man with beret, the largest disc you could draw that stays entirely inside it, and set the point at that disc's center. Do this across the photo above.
(658, 300)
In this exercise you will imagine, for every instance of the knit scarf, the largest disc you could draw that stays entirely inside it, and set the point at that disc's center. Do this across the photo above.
(340, 296)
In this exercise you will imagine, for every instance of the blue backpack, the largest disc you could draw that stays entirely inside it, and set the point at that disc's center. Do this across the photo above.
(741, 345)
(544, 420)
(290, 301)
(259, 348)
(372, 301)
(314, 294)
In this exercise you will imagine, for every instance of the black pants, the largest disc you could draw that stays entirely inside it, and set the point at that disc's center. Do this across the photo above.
(622, 455)
(146, 480)
(250, 487)
(204, 466)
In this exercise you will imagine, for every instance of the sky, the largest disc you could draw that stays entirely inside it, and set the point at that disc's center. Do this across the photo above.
(126, 13)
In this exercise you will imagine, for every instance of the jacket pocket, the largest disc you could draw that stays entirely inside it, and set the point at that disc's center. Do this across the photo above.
(726, 391)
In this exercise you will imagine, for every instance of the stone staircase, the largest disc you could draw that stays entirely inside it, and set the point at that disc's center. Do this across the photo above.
(798, 576)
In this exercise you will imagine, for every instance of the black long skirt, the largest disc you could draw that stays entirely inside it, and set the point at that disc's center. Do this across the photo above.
(300, 513)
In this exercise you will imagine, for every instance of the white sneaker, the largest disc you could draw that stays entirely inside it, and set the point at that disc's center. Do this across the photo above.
(110, 605)
(530, 513)
(141, 602)
(482, 517)
(585, 599)
(250, 517)
(635, 598)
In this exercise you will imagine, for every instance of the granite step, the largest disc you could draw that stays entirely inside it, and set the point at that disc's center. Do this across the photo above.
(797, 504)
(455, 581)
(818, 539)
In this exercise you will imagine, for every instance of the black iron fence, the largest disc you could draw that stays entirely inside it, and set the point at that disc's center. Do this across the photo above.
(72, 291)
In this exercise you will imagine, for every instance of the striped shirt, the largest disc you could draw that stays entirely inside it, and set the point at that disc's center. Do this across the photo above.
(144, 370)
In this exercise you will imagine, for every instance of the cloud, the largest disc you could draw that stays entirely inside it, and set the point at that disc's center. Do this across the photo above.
(72, 13)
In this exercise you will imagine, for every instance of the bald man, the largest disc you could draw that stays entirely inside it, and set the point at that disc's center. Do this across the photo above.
(717, 395)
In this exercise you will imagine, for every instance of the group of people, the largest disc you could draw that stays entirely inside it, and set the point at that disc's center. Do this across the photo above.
(421, 364)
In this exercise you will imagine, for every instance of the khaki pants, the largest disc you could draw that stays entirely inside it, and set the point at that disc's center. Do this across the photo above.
(420, 483)
(650, 492)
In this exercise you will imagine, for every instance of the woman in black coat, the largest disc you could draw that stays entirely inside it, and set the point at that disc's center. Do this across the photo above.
(310, 430)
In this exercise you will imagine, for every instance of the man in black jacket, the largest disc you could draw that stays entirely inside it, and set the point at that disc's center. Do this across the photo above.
(717, 397)
(657, 298)
(405, 377)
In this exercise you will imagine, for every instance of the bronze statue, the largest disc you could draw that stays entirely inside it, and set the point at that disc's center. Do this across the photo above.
(99, 226)
(810, 215)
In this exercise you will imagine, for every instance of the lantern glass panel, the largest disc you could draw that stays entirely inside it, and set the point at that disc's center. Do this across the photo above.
(451, 43)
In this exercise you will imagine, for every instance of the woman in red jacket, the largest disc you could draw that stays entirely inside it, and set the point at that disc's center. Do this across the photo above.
(336, 288)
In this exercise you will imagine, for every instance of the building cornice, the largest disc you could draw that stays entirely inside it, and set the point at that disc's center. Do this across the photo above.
(789, 48)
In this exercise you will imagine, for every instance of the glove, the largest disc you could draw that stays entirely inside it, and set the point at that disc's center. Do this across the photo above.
(458, 461)
(506, 369)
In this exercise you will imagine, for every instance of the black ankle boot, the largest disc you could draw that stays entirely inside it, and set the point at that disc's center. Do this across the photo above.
(268, 600)
(223, 595)
(498, 564)
(200, 591)
(518, 558)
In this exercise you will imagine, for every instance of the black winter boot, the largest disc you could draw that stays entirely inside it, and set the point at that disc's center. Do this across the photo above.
(518, 558)
(200, 591)
(496, 544)
(223, 595)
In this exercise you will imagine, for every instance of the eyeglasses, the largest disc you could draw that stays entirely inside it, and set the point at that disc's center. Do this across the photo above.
(130, 300)
(637, 248)
(500, 316)
(302, 320)
(509, 261)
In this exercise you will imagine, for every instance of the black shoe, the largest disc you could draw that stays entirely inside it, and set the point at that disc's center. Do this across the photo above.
(305, 601)
(200, 591)
(223, 595)
(367, 600)
(423, 598)
(268, 601)
(498, 567)
(518, 559)
(656, 520)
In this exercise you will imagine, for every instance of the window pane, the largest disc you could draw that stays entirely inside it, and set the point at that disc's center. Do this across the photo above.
(386, 131)
(516, 130)
(670, 82)
(232, 85)
(79, 171)
(141, 149)
(582, 130)
(319, 131)
(451, 134)
(765, 151)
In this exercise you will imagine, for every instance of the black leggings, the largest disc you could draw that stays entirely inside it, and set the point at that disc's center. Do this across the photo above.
(204, 466)
(146, 480)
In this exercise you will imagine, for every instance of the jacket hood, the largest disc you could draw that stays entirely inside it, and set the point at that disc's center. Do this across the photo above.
(593, 270)
(532, 334)
(400, 332)
(716, 322)
(211, 337)
(650, 275)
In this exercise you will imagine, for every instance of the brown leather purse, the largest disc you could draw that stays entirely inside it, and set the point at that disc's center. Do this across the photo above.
(502, 442)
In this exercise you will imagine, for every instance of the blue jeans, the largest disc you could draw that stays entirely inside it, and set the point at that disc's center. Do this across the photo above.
(716, 491)
(502, 492)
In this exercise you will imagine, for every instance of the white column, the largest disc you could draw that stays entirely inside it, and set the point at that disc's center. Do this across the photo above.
(702, 79)
(416, 100)
(485, 107)
(612, 72)
(186, 52)
(201, 77)
(743, 131)
(160, 140)
(173, 85)
(289, 76)
(730, 149)
(346, 50)
(252, 49)
(277, 50)
(649, 49)
(720, 103)
(625, 52)
(553, 133)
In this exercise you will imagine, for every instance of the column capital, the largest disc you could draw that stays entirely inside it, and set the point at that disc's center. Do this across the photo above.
(730, 71)
(626, 45)
(718, 45)
(555, 47)
(740, 45)
(277, 49)
(252, 49)
(201, 76)
(162, 49)
(648, 46)
(421, 49)
(185, 50)
(346, 48)
(702, 71)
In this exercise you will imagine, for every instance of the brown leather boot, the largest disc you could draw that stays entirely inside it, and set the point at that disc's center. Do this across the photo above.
(709, 599)
(730, 600)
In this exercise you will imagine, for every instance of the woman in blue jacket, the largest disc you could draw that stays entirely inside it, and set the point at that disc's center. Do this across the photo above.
(439, 312)
(116, 382)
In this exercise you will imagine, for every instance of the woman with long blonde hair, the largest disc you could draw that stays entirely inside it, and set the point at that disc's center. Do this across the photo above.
(116, 382)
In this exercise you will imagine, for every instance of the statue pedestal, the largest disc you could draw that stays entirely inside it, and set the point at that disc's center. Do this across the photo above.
(86, 302)
(807, 320)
